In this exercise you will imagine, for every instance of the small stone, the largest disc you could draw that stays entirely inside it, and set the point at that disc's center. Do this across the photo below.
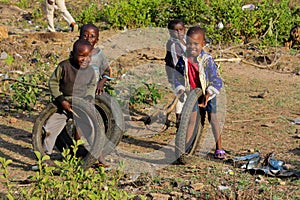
(3, 32)
(176, 194)
(13, 120)
(197, 186)
(221, 187)
(263, 95)
(159, 196)
(268, 125)
(259, 179)
(35, 168)
(281, 183)
(251, 150)
(3, 55)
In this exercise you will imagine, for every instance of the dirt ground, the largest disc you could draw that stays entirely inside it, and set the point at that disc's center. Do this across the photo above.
(260, 100)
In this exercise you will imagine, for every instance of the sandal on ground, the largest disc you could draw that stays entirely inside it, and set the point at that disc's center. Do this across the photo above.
(220, 154)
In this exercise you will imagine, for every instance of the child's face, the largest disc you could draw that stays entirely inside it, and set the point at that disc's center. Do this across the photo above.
(194, 44)
(83, 56)
(91, 35)
(178, 31)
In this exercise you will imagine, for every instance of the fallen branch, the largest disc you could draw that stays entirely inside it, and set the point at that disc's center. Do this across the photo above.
(228, 60)
(29, 84)
(152, 57)
(238, 59)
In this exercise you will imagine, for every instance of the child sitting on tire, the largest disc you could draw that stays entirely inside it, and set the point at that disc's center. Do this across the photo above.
(197, 70)
(72, 77)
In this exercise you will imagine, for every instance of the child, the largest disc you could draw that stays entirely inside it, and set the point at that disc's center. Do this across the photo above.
(175, 49)
(199, 71)
(72, 77)
(51, 5)
(90, 32)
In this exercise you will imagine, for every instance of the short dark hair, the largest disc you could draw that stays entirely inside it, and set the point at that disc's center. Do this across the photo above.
(78, 43)
(87, 26)
(173, 22)
(196, 29)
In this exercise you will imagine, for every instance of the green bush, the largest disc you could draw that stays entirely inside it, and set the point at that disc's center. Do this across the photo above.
(132, 13)
(67, 180)
(24, 92)
(146, 95)
(269, 23)
(89, 15)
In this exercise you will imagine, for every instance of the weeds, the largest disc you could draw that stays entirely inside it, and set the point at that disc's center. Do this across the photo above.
(148, 95)
(89, 15)
(25, 93)
(66, 181)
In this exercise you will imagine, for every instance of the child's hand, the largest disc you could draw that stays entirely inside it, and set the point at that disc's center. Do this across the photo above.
(66, 105)
(180, 96)
(204, 100)
(50, 2)
(100, 86)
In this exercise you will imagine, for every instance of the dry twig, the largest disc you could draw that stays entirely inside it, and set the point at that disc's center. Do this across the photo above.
(238, 59)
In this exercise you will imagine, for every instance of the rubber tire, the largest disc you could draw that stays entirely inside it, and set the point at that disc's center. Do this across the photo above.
(77, 103)
(114, 123)
(183, 152)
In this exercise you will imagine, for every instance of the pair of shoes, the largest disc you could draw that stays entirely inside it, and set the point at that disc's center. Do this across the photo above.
(220, 154)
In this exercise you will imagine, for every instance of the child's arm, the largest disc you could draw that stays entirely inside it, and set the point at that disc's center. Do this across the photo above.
(106, 76)
(179, 81)
(212, 77)
(54, 89)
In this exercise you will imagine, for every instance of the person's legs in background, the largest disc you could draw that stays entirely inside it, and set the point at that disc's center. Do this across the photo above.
(50, 16)
(66, 15)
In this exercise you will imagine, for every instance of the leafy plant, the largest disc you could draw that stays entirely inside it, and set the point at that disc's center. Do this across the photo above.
(67, 180)
(139, 96)
(270, 22)
(109, 89)
(89, 15)
(25, 92)
(23, 4)
(147, 95)
(153, 92)
(4, 1)
(5, 177)
(9, 59)
(132, 13)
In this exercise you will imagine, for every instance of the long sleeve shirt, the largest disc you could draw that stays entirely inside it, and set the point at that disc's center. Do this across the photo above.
(69, 80)
(209, 79)
(175, 50)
